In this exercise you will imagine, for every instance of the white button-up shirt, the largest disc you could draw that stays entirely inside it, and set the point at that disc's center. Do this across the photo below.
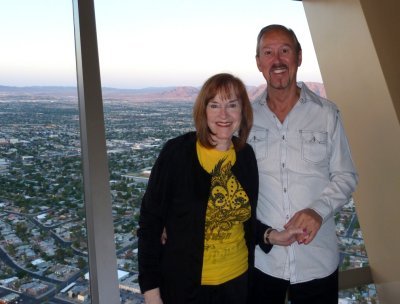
(304, 162)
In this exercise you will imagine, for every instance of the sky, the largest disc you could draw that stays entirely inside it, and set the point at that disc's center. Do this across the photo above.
(142, 44)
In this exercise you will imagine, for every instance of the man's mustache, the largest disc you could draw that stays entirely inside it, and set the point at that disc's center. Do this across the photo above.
(279, 66)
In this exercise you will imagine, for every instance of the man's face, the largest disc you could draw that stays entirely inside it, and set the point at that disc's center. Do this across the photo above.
(278, 60)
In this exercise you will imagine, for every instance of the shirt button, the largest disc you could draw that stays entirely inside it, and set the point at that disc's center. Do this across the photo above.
(284, 190)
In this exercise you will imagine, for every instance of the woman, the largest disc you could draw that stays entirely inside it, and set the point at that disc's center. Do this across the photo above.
(203, 191)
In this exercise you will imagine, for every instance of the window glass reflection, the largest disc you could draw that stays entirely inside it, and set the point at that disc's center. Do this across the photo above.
(43, 245)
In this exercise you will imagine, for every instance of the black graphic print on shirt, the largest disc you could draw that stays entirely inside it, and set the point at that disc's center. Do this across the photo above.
(228, 203)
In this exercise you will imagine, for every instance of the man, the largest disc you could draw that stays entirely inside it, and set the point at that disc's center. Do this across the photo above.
(306, 176)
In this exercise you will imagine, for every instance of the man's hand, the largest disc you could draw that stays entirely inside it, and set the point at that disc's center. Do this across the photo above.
(309, 221)
(152, 296)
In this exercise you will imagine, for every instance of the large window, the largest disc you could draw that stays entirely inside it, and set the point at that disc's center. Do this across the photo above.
(155, 56)
(43, 240)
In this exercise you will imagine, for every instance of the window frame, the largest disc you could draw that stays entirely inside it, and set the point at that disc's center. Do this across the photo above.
(104, 287)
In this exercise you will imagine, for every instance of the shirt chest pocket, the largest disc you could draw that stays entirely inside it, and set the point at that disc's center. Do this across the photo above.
(314, 145)
(259, 141)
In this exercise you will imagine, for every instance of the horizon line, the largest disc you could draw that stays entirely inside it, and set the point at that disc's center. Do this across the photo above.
(119, 88)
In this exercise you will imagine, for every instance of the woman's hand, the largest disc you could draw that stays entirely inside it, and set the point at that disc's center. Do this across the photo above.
(285, 237)
(152, 296)
(309, 221)
(164, 237)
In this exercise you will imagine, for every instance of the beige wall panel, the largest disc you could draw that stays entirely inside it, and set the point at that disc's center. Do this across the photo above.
(384, 24)
(361, 79)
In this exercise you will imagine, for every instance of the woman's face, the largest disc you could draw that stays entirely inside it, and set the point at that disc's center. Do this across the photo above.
(223, 118)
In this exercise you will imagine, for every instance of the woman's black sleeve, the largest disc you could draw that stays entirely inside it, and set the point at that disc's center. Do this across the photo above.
(151, 222)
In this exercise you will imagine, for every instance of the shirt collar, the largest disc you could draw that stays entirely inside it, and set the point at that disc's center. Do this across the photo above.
(306, 95)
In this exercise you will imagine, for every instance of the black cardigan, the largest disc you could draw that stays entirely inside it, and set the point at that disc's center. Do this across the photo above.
(177, 197)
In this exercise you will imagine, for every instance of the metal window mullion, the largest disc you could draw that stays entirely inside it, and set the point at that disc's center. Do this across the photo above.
(100, 230)
(355, 277)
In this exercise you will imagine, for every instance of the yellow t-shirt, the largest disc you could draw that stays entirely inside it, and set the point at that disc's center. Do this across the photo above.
(225, 250)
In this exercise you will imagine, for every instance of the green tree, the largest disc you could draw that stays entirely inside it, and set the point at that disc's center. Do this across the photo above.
(21, 230)
(81, 263)
(60, 255)
(11, 249)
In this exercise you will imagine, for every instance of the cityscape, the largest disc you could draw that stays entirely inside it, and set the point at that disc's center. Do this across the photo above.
(43, 245)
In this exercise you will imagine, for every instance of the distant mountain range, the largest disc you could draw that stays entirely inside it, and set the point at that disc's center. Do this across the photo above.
(178, 93)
